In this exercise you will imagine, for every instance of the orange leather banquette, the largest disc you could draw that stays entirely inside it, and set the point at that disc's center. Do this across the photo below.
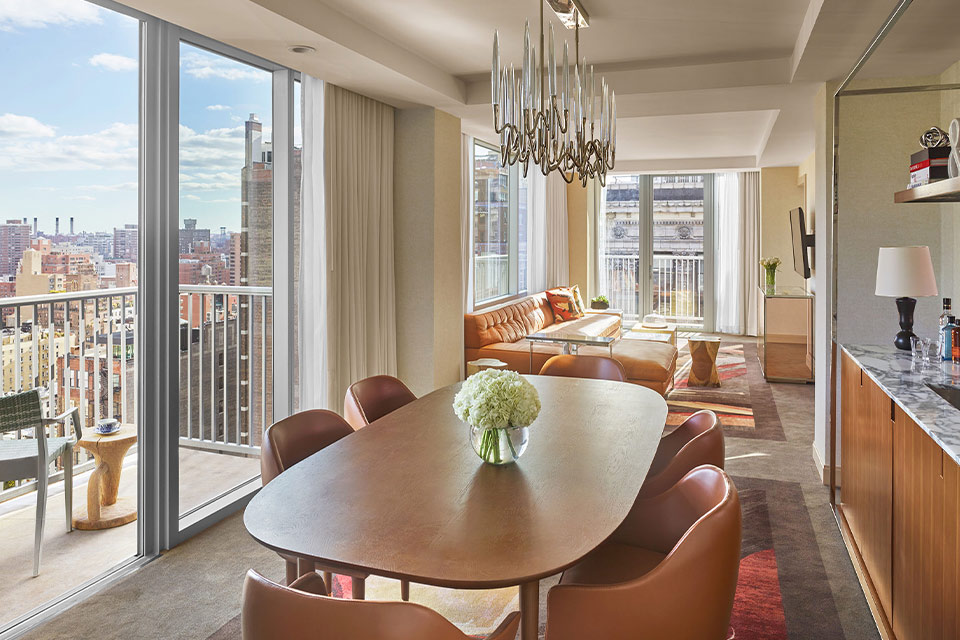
(499, 333)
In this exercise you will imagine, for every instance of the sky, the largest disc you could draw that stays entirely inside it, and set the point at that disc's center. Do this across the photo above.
(69, 119)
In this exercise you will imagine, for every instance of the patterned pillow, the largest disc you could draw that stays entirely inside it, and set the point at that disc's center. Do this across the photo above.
(564, 305)
(575, 290)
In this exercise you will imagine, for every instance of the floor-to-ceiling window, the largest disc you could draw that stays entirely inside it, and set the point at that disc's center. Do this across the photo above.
(226, 272)
(656, 246)
(69, 240)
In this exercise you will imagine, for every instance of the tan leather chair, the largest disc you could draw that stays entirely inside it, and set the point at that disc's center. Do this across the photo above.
(290, 441)
(571, 366)
(669, 571)
(303, 610)
(374, 397)
(698, 441)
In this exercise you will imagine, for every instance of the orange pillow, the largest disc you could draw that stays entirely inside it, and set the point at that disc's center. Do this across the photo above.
(564, 305)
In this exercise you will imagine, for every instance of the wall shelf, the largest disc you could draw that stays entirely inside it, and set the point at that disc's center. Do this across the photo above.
(943, 191)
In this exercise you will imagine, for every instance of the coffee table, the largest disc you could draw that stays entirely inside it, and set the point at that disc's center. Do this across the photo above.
(104, 509)
(667, 328)
(570, 342)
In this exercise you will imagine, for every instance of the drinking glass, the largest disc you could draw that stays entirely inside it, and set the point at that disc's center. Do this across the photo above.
(916, 347)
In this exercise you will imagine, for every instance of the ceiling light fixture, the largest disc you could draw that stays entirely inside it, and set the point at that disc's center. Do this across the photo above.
(554, 121)
(302, 48)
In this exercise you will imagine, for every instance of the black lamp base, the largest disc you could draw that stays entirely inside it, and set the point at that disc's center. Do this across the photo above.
(906, 307)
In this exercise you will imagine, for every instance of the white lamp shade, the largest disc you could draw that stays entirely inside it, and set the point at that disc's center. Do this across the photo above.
(905, 272)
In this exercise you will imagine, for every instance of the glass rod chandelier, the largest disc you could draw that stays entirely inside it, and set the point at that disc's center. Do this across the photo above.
(554, 122)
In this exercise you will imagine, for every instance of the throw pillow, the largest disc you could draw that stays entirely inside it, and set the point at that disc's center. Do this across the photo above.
(564, 305)
(581, 309)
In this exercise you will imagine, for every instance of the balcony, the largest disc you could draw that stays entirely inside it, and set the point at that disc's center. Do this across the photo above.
(82, 347)
(677, 287)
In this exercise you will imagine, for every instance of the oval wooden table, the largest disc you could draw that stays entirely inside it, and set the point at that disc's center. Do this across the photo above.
(407, 498)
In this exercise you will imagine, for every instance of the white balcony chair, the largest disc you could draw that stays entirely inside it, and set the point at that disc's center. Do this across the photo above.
(21, 458)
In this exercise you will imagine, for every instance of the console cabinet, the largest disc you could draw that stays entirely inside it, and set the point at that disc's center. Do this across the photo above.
(900, 498)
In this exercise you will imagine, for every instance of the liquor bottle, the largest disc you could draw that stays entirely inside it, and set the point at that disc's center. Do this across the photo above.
(946, 339)
(941, 346)
(955, 341)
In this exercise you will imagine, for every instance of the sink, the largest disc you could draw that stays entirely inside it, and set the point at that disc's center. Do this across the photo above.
(950, 394)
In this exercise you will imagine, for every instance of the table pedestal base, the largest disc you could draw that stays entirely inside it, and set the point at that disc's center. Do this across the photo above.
(123, 511)
(530, 610)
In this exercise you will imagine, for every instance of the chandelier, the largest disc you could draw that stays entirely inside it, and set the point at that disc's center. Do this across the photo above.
(554, 122)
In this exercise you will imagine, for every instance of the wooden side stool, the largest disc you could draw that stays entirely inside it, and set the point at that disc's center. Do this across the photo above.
(703, 362)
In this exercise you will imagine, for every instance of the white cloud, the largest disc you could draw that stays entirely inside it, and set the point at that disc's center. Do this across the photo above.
(87, 198)
(207, 65)
(123, 186)
(112, 148)
(41, 13)
(113, 62)
(218, 107)
(14, 126)
(190, 196)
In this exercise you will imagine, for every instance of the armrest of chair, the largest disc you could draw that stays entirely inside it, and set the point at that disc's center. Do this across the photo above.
(310, 583)
(74, 414)
(507, 629)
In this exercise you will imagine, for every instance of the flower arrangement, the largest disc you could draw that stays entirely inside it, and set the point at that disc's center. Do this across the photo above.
(771, 266)
(496, 404)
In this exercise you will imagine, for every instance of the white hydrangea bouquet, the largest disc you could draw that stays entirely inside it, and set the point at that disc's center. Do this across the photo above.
(498, 406)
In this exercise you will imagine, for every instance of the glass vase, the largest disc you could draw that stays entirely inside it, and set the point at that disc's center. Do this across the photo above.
(771, 282)
(499, 446)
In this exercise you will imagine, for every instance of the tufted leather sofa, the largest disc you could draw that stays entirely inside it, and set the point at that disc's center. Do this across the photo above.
(499, 333)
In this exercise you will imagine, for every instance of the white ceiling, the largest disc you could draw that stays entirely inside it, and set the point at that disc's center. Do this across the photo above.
(700, 83)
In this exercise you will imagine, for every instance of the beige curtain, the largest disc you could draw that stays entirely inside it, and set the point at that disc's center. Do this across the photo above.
(548, 258)
(355, 245)
(750, 225)
(737, 253)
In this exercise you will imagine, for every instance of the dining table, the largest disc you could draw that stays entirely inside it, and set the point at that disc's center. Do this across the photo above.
(407, 497)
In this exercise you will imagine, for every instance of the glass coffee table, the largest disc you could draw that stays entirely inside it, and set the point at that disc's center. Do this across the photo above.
(570, 342)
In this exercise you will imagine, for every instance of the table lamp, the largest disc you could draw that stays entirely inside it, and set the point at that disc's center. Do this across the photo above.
(905, 273)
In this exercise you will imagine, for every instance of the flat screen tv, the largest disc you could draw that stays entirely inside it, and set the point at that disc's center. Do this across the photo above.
(801, 242)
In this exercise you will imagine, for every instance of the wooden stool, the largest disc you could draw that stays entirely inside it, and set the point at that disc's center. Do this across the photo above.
(703, 362)
(104, 510)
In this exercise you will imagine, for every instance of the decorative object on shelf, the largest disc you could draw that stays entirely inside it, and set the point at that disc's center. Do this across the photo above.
(499, 407)
(935, 137)
(554, 121)
(953, 167)
(600, 302)
(770, 267)
(928, 165)
(905, 273)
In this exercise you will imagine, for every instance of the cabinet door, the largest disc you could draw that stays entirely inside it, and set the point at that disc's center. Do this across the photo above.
(951, 548)
(918, 533)
(867, 475)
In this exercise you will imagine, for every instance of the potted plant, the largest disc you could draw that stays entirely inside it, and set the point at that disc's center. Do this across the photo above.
(600, 302)
(770, 267)
(498, 406)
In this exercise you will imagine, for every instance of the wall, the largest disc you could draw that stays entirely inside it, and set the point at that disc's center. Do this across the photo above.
(950, 224)
(427, 248)
(779, 193)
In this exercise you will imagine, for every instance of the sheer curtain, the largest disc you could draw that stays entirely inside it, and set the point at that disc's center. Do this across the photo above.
(548, 261)
(466, 219)
(738, 222)
(348, 235)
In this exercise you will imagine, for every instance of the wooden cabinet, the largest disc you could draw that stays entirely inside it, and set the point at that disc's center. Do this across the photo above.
(900, 498)
(918, 533)
(866, 487)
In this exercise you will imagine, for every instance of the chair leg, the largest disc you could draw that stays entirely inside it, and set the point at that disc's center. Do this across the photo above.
(359, 588)
(41, 517)
(292, 573)
(68, 485)
(405, 590)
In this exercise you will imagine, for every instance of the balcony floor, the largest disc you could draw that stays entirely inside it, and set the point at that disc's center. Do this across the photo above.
(70, 560)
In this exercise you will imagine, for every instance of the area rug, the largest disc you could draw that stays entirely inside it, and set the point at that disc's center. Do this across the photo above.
(743, 401)
(782, 593)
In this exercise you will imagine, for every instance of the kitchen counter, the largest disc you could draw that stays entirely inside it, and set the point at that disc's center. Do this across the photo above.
(905, 382)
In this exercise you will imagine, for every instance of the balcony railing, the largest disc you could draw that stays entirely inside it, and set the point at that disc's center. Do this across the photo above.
(491, 276)
(677, 286)
(82, 348)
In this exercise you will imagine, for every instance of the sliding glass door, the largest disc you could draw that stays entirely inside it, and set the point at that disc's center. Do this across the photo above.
(656, 247)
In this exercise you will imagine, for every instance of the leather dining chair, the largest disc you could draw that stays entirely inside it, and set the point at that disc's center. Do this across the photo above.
(290, 441)
(303, 610)
(374, 397)
(571, 366)
(698, 441)
(669, 571)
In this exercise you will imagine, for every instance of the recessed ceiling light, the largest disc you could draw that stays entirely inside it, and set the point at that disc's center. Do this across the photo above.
(302, 48)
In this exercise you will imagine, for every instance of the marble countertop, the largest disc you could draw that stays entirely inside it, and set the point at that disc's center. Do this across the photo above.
(904, 381)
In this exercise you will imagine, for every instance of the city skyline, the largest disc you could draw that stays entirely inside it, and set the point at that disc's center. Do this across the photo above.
(81, 162)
